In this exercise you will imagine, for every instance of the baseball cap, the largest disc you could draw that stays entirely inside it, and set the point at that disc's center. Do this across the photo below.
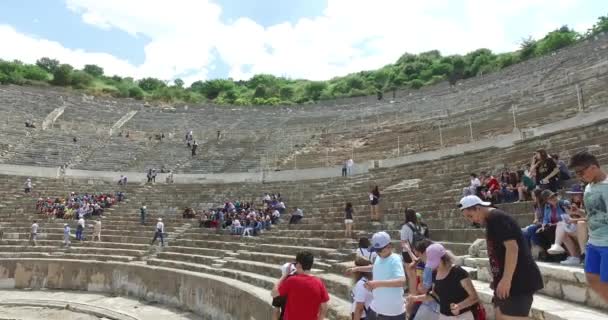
(434, 253)
(471, 201)
(160, 219)
(547, 194)
(288, 268)
(379, 241)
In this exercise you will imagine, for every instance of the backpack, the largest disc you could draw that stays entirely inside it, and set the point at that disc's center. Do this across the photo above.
(417, 236)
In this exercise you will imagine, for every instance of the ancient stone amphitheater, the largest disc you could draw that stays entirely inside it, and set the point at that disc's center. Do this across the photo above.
(418, 147)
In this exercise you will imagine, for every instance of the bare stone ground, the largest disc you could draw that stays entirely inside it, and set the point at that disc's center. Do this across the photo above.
(37, 313)
(31, 305)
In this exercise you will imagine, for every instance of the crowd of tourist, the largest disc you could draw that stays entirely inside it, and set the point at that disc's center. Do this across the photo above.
(244, 218)
(76, 206)
(437, 288)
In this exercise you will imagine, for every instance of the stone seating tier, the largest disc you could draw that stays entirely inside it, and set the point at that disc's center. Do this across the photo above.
(543, 90)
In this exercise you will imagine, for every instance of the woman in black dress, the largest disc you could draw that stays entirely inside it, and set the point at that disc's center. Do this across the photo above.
(374, 201)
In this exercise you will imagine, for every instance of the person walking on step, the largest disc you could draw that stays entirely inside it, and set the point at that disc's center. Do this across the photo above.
(28, 185)
(306, 294)
(348, 220)
(97, 230)
(374, 202)
(159, 232)
(349, 166)
(142, 214)
(516, 276)
(587, 168)
(34, 233)
(66, 235)
(388, 280)
(80, 229)
(194, 147)
(296, 216)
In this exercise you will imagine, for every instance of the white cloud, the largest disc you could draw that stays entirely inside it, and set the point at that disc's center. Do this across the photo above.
(350, 35)
(29, 48)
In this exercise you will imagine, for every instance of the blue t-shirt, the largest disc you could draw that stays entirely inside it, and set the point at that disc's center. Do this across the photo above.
(388, 301)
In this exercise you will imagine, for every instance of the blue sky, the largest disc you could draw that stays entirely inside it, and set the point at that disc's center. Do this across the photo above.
(316, 39)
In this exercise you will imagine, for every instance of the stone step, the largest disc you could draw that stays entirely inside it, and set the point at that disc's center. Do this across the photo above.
(545, 307)
(339, 309)
(561, 282)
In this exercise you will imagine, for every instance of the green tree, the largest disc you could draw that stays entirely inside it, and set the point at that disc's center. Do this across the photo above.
(555, 40)
(286, 93)
(94, 70)
(62, 76)
(313, 89)
(260, 91)
(81, 79)
(48, 64)
(213, 88)
(34, 72)
(136, 92)
(416, 84)
(600, 26)
(151, 84)
(527, 47)
(179, 83)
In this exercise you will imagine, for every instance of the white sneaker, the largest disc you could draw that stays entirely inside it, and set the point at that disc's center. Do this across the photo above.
(556, 249)
(571, 261)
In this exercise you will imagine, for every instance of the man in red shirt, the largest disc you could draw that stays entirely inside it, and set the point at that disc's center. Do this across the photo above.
(306, 294)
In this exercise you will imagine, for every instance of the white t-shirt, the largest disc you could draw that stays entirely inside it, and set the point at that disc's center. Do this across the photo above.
(364, 253)
(236, 223)
(81, 222)
(35, 228)
(406, 234)
(475, 182)
(350, 163)
(160, 226)
(361, 295)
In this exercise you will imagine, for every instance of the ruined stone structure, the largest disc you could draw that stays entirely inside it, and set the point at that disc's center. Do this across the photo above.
(220, 276)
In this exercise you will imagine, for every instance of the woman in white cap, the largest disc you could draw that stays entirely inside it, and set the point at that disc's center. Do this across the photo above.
(452, 289)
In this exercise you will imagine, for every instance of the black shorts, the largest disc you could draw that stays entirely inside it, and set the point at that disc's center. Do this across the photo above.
(515, 306)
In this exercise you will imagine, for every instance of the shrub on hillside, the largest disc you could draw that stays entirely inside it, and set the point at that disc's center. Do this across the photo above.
(63, 75)
(47, 64)
(81, 79)
(93, 70)
(136, 93)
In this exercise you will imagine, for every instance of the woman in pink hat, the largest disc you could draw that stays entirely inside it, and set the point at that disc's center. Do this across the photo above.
(452, 288)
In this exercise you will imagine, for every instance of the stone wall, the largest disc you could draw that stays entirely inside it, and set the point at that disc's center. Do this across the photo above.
(210, 296)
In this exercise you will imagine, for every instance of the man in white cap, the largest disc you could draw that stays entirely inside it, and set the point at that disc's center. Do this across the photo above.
(516, 276)
(389, 279)
(160, 230)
